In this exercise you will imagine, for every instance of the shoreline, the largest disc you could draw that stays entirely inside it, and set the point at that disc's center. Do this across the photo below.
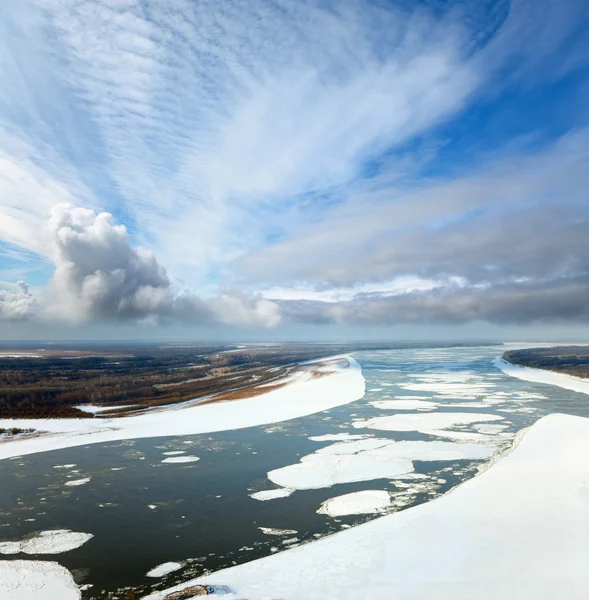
(307, 393)
(490, 537)
(545, 376)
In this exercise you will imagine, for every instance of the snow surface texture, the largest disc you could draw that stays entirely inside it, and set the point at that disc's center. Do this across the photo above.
(368, 459)
(305, 395)
(568, 382)
(272, 494)
(34, 579)
(164, 569)
(54, 541)
(518, 530)
(181, 459)
(356, 503)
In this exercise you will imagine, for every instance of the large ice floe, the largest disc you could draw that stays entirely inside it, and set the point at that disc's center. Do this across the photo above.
(424, 422)
(518, 530)
(53, 541)
(34, 579)
(339, 383)
(368, 459)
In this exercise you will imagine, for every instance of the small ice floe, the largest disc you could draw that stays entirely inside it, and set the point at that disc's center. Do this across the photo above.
(54, 541)
(174, 452)
(272, 531)
(404, 405)
(152, 506)
(290, 541)
(117, 468)
(181, 459)
(77, 482)
(271, 494)
(337, 437)
(164, 569)
(64, 466)
(356, 503)
(490, 428)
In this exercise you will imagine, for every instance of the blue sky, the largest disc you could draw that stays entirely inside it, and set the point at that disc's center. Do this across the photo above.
(276, 169)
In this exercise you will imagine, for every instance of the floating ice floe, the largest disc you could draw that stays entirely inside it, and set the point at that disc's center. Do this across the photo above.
(356, 503)
(174, 452)
(77, 482)
(54, 541)
(369, 459)
(273, 531)
(181, 459)
(424, 421)
(272, 494)
(404, 404)
(71, 466)
(164, 569)
(336, 437)
(35, 579)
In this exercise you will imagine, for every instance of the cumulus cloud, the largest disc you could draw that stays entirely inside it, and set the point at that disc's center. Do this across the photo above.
(16, 301)
(100, 275)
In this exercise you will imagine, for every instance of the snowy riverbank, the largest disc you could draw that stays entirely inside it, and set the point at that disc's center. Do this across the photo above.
(568, 382)
(519, 530)
(316, 388)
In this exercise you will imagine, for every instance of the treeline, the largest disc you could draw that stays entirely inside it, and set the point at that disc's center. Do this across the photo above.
(570, 360)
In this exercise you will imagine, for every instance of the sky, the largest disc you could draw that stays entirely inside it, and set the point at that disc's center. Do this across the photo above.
(269, 169)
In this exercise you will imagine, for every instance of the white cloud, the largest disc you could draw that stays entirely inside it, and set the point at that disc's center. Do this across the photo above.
(100, 276)
(16, 301)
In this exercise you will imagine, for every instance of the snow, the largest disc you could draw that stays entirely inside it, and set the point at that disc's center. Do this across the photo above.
(77, 482)
(305, 395)
(174, 452)
(181, 459)
(272, 494)
(336, 437)
(404, 404)
(93, 409)
(54, 541)
(369, 459)
(356, 503)
(568, 382)
(518, 530)
(28, 579)
(164, 569)
(424, 422)
(272, 531)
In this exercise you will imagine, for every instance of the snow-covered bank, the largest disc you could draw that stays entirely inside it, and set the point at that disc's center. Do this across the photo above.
(28, 579)
(519, 530)
(312, 390)
(568, 382)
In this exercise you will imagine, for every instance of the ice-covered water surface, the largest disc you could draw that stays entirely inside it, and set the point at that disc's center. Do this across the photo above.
(428, 420)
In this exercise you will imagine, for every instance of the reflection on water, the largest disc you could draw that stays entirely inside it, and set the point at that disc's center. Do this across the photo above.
(144, 512)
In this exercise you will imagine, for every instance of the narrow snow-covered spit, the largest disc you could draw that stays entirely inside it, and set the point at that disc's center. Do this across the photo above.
(568, 382)
(304, 395)
(518, 530)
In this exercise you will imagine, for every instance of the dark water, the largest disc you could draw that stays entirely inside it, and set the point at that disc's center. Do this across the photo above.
(204, 516)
